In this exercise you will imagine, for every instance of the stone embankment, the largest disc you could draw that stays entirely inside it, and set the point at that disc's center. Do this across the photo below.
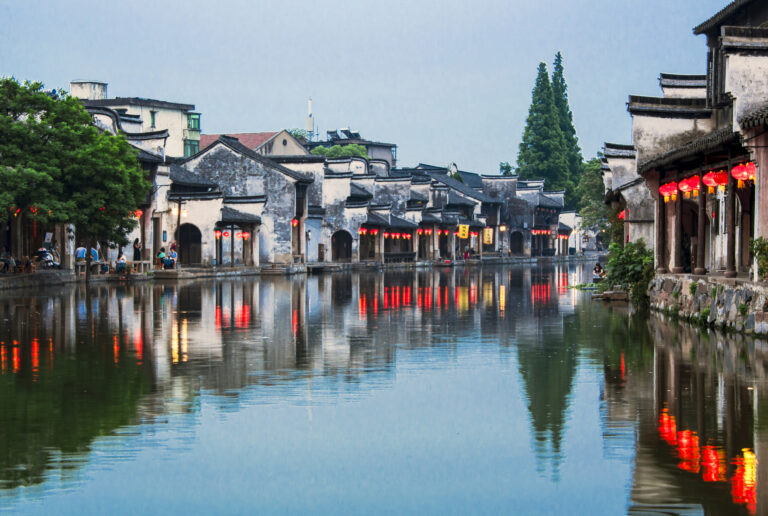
(728, 304)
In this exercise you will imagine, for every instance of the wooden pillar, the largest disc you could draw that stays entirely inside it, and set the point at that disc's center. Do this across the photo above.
(231, 245)
(661, 234)
(701, 229)
(730, 225)
(678, 251)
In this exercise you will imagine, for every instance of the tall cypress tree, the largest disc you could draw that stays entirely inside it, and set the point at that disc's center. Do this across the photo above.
(542, 151)
(572, 150)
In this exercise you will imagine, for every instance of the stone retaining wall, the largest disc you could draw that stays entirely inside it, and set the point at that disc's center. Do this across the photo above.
(714, 301)
(36, 280)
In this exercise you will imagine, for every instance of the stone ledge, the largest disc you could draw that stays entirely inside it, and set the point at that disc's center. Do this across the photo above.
(727, 303)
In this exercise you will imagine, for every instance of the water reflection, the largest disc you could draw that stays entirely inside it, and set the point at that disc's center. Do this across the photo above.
(684, 411)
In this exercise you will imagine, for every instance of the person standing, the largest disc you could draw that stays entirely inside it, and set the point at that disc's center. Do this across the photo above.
(137, 250)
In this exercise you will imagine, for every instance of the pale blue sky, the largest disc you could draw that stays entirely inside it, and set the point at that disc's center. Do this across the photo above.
(444, 80)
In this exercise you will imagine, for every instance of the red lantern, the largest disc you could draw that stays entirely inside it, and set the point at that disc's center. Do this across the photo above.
(622, 214)
(428, 231)
(238, 235)
(419, 231)
(225, 234)
(246, 235)
(295, 222)
(218, 234)
(386, 235)
(669, 191)
(751, 170)
(740, 173)
(689, 185)
(374, 232)
(715, 180)
(138, 213)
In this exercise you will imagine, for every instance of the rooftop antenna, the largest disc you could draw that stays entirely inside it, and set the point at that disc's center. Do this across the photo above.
(310, 127)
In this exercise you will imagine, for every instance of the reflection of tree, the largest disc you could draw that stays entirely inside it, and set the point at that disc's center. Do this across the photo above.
(74, 400)
(547, 368)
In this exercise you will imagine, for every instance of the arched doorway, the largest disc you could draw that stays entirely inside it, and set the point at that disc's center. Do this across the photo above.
(341, 247)
(189, 239)
(516, 243)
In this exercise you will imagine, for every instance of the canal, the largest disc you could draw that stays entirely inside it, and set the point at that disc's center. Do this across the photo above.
(482, 390)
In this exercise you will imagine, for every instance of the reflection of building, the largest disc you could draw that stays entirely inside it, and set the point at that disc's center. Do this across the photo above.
(690, 402)
(155, 350)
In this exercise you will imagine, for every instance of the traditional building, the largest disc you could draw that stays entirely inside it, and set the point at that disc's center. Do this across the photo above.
(628, 193)
(180, 120)
(697, 159)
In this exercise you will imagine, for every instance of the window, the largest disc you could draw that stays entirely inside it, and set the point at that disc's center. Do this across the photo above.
(152, 120)
(191, 147)
(193, 121)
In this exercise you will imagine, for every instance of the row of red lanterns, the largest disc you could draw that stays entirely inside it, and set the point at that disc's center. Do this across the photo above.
(541, 232)
(406, 236)
(426, 231)
(713, 179)
(244, 235)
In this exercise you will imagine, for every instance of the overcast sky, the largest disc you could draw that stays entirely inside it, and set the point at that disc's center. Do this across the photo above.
(446, 81)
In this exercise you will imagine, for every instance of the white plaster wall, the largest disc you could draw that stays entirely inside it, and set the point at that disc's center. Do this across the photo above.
(174, 120)
(335, 189)
(203, 214)
(379, 167)
(353, 165)
(746, 78)
(623, 170)
(653, 135)
(607, 180)
(684, 93)
(88, 90)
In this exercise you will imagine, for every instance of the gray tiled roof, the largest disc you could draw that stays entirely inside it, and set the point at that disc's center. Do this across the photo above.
(375, 219)
(461, 187)
(181, 176)
(755, 118)
(721, 16)
(232, 216)
(703, 144)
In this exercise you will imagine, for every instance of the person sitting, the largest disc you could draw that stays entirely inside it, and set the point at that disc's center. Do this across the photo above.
(172, 255)
(161, 257)
(598, 271)
(120, 263)
(80, 252)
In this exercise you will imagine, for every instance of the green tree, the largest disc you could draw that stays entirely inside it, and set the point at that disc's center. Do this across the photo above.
(591, 197)
(56, 166)
(505, 169)
(342, 151)
(542, 151)
(573, 155)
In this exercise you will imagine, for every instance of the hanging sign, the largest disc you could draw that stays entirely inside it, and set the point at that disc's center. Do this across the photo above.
(463, 230)
(488, 236)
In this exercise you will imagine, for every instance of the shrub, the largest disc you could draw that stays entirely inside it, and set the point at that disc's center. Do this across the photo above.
(631, 265)
(743, 309)
(704, 317)
(692, 288)
(759, 249)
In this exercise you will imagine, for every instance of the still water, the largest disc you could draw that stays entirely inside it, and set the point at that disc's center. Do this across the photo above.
(493, 390)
